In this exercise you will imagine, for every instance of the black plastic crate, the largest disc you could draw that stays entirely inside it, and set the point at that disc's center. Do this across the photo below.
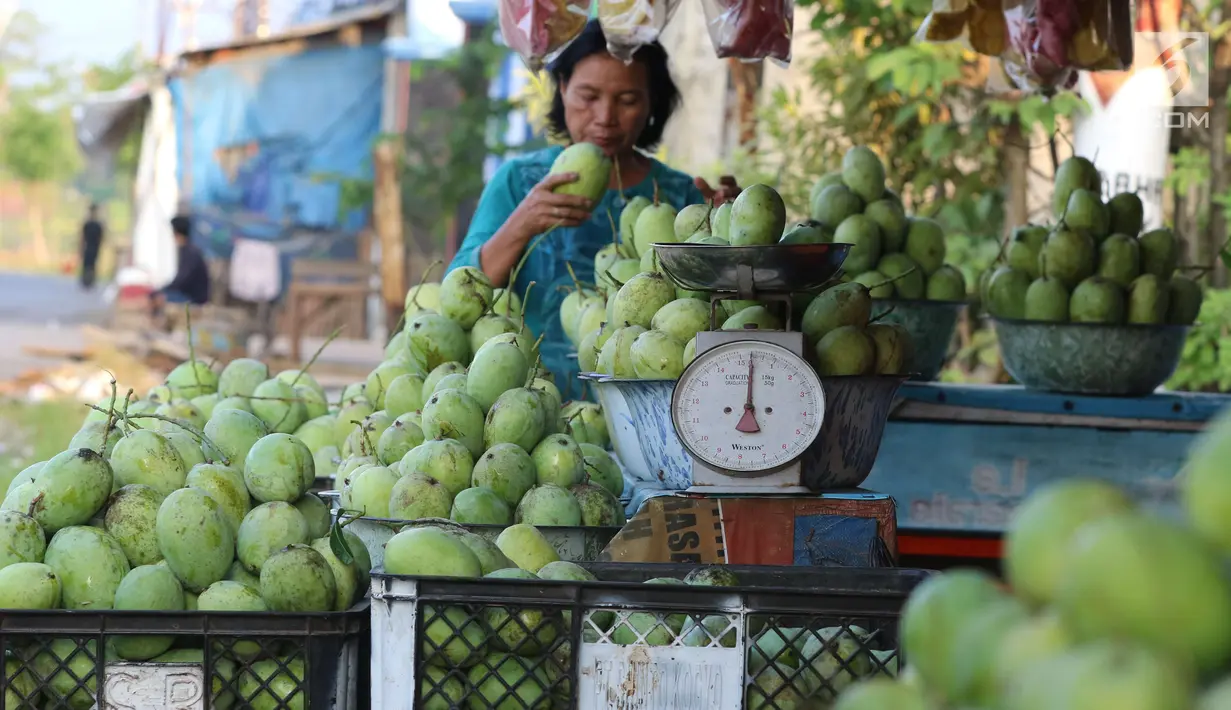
(215, 660)
(788, 638)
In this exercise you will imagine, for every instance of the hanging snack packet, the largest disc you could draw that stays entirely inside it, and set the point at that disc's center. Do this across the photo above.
(751, 29)
(539, 29)
(1042, 44)
(631, 24)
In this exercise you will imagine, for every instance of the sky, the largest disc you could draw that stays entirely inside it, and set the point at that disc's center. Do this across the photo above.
(98, 31)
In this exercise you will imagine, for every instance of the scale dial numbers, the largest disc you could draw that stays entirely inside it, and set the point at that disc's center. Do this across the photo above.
(725, 424)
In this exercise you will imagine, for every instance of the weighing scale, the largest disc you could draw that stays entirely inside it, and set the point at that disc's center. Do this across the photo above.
(749, 404)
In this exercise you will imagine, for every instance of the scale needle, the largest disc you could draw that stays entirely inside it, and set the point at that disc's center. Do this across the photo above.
(748, 422)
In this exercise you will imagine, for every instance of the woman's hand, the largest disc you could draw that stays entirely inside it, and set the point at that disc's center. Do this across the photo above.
(543, 209)
(539, 212)
(726, 191)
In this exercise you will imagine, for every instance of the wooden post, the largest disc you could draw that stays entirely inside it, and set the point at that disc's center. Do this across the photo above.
(746, 78)
(387, 220)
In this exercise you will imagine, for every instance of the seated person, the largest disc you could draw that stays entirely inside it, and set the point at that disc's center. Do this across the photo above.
(191, 282)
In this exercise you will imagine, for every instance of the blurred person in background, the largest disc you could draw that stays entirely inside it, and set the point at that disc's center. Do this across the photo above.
(191, 282)
(91, 243)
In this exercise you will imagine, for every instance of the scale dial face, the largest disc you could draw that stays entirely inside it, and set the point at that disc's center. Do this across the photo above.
(726, 424)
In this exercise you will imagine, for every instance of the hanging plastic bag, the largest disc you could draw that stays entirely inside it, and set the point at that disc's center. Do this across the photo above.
(632, 24)
(1042, 44)
(539, 29)
(751, 29)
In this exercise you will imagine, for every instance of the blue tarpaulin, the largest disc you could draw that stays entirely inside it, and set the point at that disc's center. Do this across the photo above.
(260, 131)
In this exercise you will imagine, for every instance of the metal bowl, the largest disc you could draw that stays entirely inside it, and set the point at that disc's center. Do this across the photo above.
(856, 411)
(779, 268)
(638, 415)
(931, 325)
(1090, 358)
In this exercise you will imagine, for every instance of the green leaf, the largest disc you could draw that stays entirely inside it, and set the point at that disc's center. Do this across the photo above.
(882, 64)
(337, 541)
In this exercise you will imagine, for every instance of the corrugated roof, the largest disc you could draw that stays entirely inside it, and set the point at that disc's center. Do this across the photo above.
(335, 22)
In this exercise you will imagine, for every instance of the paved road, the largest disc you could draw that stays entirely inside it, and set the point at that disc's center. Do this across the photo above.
(44, 300)
(45, 311)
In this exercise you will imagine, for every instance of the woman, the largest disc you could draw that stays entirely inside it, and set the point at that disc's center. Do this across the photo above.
(621, 108)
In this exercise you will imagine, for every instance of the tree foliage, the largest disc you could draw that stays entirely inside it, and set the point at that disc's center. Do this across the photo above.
(447, 148)
(36, 134)
(109, 77)
(36, 145)
(924, 108)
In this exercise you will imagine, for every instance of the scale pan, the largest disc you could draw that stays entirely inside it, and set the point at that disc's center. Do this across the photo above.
(779, 268)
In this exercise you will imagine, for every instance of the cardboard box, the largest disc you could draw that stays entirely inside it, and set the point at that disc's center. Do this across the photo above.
(849, 529)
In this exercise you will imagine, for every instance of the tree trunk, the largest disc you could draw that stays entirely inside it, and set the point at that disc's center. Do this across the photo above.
(1219, 178)
(1016, 176)
(387, 220)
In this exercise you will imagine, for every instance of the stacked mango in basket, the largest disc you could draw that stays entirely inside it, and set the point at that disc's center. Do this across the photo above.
(488, 653)
(635, 323)
(1111, 606)
(1094, 264)
(179, 501)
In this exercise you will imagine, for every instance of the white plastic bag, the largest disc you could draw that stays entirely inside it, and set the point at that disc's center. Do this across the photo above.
(538, 30)
(751, 29)
(632, 24)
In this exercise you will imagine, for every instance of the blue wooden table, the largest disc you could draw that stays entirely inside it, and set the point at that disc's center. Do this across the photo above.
(959, 458)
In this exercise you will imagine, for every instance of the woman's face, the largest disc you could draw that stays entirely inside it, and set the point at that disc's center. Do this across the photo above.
(607, 102)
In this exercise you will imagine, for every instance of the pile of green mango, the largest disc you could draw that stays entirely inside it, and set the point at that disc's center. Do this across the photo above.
(461, 422)
(1094, 265)
(844, 340)
(634, 322)
(202, 506)
(893, 254)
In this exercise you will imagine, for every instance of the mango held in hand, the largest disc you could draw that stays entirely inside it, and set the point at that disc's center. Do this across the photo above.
(592, 166)
(758, 217)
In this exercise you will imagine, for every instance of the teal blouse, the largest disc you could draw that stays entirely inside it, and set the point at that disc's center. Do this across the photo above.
(577, 246)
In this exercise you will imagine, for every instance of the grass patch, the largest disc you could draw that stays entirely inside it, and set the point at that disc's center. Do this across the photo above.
(35, 431)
